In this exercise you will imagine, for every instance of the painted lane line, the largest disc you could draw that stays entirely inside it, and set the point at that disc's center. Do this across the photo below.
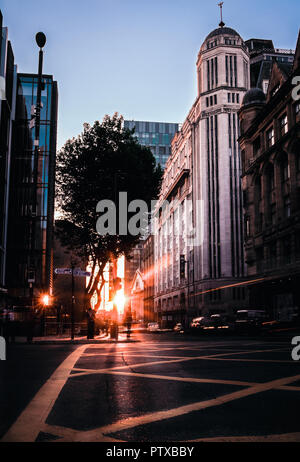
(172, 378)
(97, 434)
(86, 372)
(247, 360)
(68, 434)
(27, 426)
(287, 437)
(185, 359)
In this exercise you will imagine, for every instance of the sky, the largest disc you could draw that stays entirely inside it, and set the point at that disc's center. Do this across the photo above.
(134, 57)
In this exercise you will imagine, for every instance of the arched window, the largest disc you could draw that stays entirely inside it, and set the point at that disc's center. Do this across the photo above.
(258, 188)
(284, 168)
(270, 177)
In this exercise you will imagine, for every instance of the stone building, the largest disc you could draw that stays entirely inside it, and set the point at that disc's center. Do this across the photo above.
(270, 144)
(202, 184)
(148, 278)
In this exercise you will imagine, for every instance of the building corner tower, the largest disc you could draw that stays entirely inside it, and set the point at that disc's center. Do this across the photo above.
(223, 79)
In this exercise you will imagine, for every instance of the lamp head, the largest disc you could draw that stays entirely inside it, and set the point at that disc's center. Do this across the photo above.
(40, 39)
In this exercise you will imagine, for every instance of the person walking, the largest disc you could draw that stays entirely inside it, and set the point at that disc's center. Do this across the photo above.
(91, 323)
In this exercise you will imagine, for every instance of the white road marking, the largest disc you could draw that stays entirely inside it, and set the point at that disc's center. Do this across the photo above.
(28, 425)
(284, 438)
(98, 434)
(32, 419)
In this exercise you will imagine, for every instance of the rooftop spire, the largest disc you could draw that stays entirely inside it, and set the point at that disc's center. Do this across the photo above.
(222, 24)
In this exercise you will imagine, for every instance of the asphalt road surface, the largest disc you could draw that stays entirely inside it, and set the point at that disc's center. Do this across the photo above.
(166, 388)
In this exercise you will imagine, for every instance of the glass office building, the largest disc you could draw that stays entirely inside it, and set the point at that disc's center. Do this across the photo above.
(156, 135)
(8, 77)
(25, 190)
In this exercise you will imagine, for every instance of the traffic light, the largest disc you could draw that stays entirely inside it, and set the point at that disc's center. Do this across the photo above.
(117, 284)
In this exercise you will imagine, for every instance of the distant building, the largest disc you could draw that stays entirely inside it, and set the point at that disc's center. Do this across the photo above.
(262, 54)
(270, 143)
(156, 135)
(62, 289)
(148, 271)
(137, 298)
(23, 191)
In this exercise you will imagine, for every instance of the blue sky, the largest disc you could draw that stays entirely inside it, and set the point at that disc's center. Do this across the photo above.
(134, 57)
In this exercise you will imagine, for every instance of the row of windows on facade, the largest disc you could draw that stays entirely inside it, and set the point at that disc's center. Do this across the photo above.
(231, 72)
(154, 138)
(227, 41)
(271, 218)
(277, 253)
(231, 98)
(283, 128)
(237, 293)
(152, 127)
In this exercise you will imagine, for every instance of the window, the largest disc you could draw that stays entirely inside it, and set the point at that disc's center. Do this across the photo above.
(258, 195)
(208, 74)
(270, 137)
(229, 97)
(207, 102)
(283, 125)
(247, 227)
(286, 250)
(233, 97)
(273, 255)
(211, 101)
(287, 207)
(238, 98)
(256, 146)
(215, 98)
(227, 71)
(271, 179)
(259, 222)
(273, 214)
(285, 170)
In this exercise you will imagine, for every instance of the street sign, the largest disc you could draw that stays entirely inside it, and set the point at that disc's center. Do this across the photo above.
(76, 272)
(63, 271)
(81, 274)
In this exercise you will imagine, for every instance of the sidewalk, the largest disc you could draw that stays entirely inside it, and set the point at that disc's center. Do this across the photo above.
(62, 339)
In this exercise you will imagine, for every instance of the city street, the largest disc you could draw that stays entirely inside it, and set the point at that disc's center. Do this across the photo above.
(165, 388)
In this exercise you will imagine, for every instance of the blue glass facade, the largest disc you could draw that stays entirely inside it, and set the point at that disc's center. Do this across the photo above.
(8, 76)
(156, 135)
(25, 191)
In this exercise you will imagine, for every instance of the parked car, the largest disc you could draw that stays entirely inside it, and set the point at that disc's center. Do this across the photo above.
(153, 327)
(250, 320)
(178, 327)
(197, 324)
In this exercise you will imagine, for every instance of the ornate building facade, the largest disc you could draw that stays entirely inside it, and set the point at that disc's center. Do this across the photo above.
(270, 143)
(202, 184)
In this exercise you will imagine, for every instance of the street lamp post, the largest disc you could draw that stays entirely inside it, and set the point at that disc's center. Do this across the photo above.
(40, 40)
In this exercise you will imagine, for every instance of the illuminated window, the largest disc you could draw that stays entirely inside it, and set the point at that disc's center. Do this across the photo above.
(283, 125)
(270, 137)
(285, 170)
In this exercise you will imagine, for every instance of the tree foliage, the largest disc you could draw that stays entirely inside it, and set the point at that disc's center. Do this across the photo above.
(102, 161)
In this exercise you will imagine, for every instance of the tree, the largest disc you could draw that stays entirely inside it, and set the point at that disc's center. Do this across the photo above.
(102, 161)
